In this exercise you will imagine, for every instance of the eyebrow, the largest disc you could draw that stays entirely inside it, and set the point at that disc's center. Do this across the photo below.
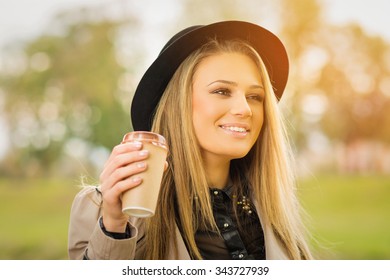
(234, 84)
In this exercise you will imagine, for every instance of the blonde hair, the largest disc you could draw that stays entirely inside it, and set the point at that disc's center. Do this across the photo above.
(184, 196)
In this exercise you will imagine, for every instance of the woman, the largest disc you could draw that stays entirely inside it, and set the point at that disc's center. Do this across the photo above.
(228, 190)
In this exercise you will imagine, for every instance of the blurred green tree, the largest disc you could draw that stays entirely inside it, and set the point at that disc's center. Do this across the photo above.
(339, 83)
(69, 94)
(357, 84)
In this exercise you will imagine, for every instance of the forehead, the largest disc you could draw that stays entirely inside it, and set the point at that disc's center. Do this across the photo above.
(228, 65)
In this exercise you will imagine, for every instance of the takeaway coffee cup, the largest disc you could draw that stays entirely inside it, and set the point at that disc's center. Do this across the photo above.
(141, 201)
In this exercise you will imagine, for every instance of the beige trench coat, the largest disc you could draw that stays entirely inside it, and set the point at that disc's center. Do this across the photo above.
(85, 234)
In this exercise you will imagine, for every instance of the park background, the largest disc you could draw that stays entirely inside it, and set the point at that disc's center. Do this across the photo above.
(65, 93)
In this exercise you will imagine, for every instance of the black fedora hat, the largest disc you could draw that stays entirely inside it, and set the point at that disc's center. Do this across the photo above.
(158, 75)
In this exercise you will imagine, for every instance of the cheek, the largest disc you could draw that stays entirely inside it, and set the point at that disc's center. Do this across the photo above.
(205, 114)
(202, 111)
(199, 104)
(258, 121)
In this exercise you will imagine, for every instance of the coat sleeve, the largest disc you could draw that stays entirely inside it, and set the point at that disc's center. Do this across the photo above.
(86, 240)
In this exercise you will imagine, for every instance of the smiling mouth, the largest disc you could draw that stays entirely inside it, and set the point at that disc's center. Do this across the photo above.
(234, 128)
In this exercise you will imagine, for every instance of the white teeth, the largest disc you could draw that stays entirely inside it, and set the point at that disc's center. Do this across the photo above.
(234, 128)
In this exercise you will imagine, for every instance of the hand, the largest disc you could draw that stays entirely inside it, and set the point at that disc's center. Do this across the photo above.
(119, 175)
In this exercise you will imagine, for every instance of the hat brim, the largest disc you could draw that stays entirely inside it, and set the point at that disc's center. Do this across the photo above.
(156, 78)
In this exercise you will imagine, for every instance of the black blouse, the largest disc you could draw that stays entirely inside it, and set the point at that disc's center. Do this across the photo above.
(241, 234)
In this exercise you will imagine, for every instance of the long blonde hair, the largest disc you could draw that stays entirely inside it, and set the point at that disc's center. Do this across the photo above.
(184, 196)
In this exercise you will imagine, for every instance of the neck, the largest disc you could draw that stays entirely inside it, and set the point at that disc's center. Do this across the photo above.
(217, 172)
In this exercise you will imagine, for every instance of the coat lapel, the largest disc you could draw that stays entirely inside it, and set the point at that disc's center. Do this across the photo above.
(273, 249)
(181, 248)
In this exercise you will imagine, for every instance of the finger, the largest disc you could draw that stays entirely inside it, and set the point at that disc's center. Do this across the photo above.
(122, 160)
(123, 173)
(127, 184)
(124, 148)
(112, 196)
(112, 204)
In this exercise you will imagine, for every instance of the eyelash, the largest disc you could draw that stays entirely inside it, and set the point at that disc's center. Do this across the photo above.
(222, 91)
(227, 92)
(256, 97)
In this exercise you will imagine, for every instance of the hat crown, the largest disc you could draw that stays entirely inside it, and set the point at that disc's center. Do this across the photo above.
(178, 35)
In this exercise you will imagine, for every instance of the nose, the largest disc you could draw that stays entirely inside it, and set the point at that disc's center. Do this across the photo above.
(240, 107)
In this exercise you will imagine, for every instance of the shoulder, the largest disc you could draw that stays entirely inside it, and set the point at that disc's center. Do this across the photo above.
(89, 193)
(87, 202)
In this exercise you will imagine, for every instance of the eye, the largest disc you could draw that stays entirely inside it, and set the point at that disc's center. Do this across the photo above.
(222, 91)
(256, 97)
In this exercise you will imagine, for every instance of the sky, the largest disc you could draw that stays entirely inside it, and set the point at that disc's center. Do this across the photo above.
(372, 15)
(20, 19)
(24, 19)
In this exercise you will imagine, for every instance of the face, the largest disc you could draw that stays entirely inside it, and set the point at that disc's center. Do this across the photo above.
(227, 100)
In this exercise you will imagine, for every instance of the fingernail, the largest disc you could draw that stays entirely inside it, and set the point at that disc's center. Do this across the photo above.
(141, 164)
(143, 153)
(137, 144)
(136, 179)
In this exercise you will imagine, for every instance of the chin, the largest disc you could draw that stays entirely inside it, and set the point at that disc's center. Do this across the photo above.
(238, 155)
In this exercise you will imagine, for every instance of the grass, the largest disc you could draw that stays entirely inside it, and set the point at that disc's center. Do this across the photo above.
(34, 217)
(350, 216)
